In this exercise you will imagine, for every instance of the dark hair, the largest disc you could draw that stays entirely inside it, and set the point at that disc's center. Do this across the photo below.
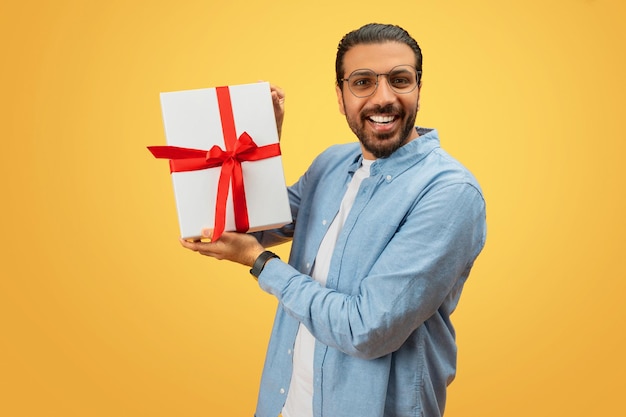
(375, 33)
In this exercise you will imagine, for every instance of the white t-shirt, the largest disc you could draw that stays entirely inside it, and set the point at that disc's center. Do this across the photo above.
(300, 396)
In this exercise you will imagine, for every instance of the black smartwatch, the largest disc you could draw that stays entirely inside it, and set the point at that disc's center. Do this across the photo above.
(259, 264)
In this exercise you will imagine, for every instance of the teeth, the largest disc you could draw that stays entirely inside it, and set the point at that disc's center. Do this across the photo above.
(382, 119)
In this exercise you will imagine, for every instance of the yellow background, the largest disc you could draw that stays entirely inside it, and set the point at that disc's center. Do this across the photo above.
(102, 313)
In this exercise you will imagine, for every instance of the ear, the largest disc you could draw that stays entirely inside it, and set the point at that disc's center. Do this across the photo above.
(419, 90)
(342, 109)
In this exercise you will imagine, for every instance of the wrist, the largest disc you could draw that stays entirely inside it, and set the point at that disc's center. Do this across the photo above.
(260, 261)
(254, 255)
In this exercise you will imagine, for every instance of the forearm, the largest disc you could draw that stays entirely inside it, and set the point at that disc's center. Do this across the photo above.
(383, 294)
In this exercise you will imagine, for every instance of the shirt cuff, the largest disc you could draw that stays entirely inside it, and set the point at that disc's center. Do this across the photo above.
(275, 276)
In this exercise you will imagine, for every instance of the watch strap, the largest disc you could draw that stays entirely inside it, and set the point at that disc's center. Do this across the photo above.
(260, 262)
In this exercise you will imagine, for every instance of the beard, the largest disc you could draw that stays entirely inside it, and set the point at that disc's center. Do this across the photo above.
(382, 145)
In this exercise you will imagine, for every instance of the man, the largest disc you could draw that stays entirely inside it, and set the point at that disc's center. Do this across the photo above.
(385, 233)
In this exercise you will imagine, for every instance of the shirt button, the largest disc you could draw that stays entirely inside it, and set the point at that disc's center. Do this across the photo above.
(289, 352)
(282, 390)
(388, 177)
(308, 265)
(324, 222)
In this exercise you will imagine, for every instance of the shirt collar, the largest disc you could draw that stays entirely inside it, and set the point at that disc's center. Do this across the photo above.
(405, 157)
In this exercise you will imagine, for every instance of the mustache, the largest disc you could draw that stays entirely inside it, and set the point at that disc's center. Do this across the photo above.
(386, 109)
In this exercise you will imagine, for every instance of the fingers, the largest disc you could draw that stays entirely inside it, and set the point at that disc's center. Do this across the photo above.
(218, 249)
(236, 247)
(212, 249)
(278, 101)
(278, 95)
(195, 245)
(199, 245)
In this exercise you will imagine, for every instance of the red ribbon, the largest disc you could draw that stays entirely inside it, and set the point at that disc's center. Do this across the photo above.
(237, 150)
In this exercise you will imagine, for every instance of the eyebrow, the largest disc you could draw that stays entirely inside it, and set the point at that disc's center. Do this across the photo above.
(398, 70)
(393, 70)
(362, 71)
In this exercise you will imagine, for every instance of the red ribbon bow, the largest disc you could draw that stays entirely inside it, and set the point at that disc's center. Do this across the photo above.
(237, 150)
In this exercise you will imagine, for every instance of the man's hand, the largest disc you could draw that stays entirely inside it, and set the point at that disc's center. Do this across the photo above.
(236, 247)
(278, 99)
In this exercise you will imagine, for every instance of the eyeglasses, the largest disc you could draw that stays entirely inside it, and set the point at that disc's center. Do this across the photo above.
(402, 79)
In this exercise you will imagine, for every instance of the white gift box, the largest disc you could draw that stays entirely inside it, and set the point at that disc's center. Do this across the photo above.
(192, 119)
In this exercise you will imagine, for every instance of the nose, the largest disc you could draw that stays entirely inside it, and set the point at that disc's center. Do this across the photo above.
(383, 94)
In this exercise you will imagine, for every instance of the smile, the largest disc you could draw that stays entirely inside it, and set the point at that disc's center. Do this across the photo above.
(382, 119)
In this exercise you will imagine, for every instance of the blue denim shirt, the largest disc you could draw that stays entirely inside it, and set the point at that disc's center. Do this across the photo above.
(385, 345)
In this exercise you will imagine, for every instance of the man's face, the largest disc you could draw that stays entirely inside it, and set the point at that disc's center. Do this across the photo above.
(384, 121)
